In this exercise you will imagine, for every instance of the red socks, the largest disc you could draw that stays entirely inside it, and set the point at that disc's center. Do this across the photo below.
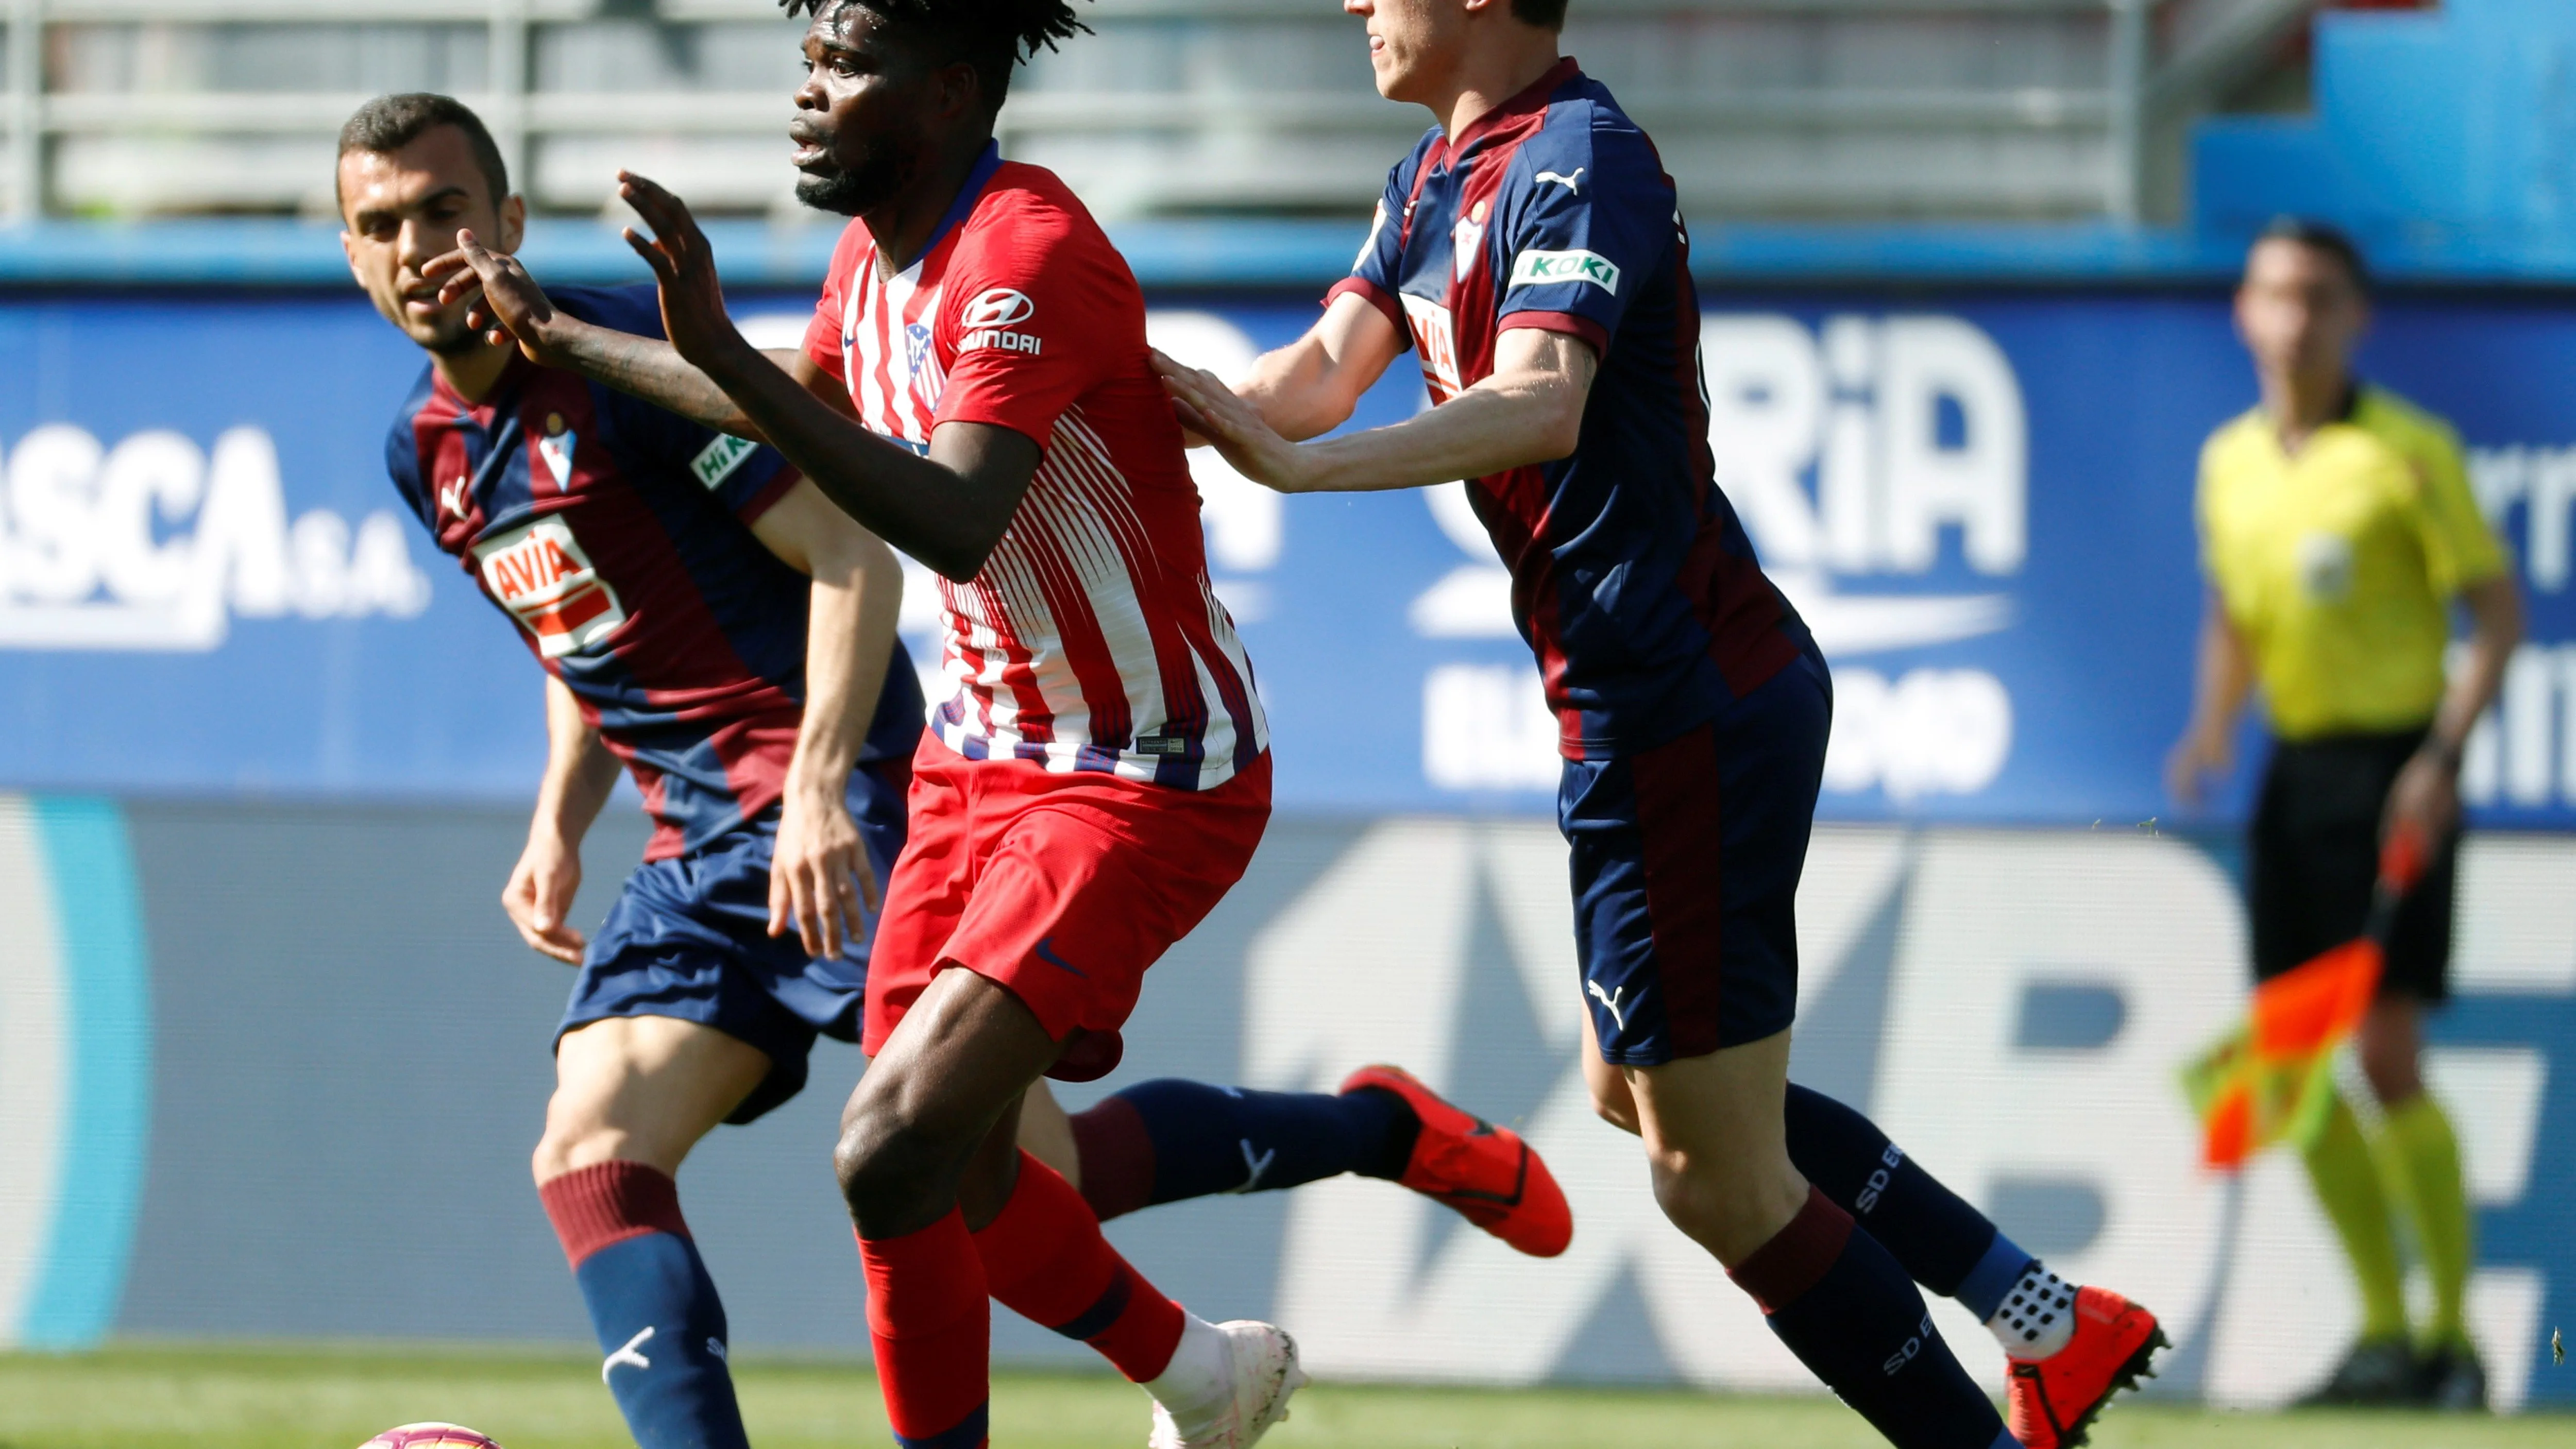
(932, 1333)
(608, 1202)
(1044, 1258)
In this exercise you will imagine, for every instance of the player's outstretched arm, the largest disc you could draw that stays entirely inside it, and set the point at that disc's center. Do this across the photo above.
(580, 773)
(1529, 411)
(512, 307)
(947, 510)
(1310, 386)
(819, 875)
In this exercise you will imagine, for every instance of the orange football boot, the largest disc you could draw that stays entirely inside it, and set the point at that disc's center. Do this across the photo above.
(1485, 1172)
(2053, 1401)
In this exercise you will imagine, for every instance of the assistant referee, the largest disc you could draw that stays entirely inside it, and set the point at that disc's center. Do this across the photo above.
(2336, 528)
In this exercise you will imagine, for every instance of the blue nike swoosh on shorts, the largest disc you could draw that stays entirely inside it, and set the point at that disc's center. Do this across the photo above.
(1046, 953)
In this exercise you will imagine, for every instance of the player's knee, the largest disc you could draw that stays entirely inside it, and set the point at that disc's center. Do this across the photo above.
(1616, 1105)
(1728, 1206)
(1691, 1196)
(891, 1168)
(573, 1139)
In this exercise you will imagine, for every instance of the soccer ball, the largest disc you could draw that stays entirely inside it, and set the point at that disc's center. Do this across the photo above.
(431, 1436)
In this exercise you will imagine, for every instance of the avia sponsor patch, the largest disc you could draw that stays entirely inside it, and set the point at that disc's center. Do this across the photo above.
(717, 460)
(1437, 337)
(990, 319)
(1538, 269)
(540, 574)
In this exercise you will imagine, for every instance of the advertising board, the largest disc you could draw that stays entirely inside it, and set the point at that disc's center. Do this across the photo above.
(1980, 499)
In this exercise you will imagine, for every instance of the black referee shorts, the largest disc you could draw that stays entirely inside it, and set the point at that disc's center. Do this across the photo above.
(2314, 853)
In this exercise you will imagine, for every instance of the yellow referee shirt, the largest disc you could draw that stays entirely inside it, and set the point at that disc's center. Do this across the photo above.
(2337, 563)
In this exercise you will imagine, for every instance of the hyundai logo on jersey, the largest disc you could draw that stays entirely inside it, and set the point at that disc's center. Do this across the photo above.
(997, 307)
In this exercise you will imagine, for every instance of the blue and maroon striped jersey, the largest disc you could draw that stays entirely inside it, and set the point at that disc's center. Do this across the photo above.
(1631, 577)
(618, 537)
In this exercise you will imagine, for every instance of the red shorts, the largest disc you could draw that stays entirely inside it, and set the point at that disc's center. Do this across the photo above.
(1061, 887)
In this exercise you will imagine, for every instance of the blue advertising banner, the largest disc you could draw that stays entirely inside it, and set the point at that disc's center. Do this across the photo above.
(1981, 499)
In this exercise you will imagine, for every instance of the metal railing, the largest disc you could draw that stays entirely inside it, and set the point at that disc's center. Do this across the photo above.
(1193, 105)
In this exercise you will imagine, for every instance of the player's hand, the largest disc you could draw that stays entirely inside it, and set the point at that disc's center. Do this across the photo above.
(2426, 798)
(1208, 408)
(509, 306)
(693, 310)
(2199, 755)
(819, 876)
(540, 894)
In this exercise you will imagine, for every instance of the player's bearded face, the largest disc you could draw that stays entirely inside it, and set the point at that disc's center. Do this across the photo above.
(858, 129)
(403, 209)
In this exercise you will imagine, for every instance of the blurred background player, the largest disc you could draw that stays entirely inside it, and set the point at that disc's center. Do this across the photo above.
(2337, 526)
(1530, 250)
(696, 1004)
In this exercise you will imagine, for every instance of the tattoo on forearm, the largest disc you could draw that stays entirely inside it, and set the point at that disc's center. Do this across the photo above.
(652, 370)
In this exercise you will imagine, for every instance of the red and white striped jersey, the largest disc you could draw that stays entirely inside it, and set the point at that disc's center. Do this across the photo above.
(1091, 640)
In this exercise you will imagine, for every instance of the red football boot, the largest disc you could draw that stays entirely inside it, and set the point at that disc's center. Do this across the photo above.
(1486, 1172)
(2053, 1401)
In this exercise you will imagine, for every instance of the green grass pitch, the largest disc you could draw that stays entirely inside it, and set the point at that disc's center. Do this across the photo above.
(334, 1398)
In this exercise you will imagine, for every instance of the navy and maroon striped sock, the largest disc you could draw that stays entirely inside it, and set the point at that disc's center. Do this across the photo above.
(1167, 1140)
(661, 1327)
(1851, 1315)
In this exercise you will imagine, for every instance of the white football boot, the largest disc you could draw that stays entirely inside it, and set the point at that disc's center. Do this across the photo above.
(1254, 1368)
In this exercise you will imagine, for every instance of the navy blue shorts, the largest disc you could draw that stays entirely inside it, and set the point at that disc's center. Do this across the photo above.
(689, 938)
(1686, 861)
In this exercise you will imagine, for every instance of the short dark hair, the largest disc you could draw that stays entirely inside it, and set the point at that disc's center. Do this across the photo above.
(1545, 14)
(993, 36)
(2320, 236)
(389, 123)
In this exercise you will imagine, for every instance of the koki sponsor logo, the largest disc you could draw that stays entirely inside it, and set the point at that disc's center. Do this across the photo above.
(1539, 269)
(157, 544)
(541, 575)
(988, 320)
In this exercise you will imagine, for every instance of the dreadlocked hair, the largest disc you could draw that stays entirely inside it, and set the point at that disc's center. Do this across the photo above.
(993, 36)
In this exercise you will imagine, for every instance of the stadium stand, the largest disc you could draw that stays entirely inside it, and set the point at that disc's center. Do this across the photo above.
(1783, 109)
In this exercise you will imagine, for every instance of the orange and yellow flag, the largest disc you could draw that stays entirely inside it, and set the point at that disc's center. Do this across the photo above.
(2271, 1079)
